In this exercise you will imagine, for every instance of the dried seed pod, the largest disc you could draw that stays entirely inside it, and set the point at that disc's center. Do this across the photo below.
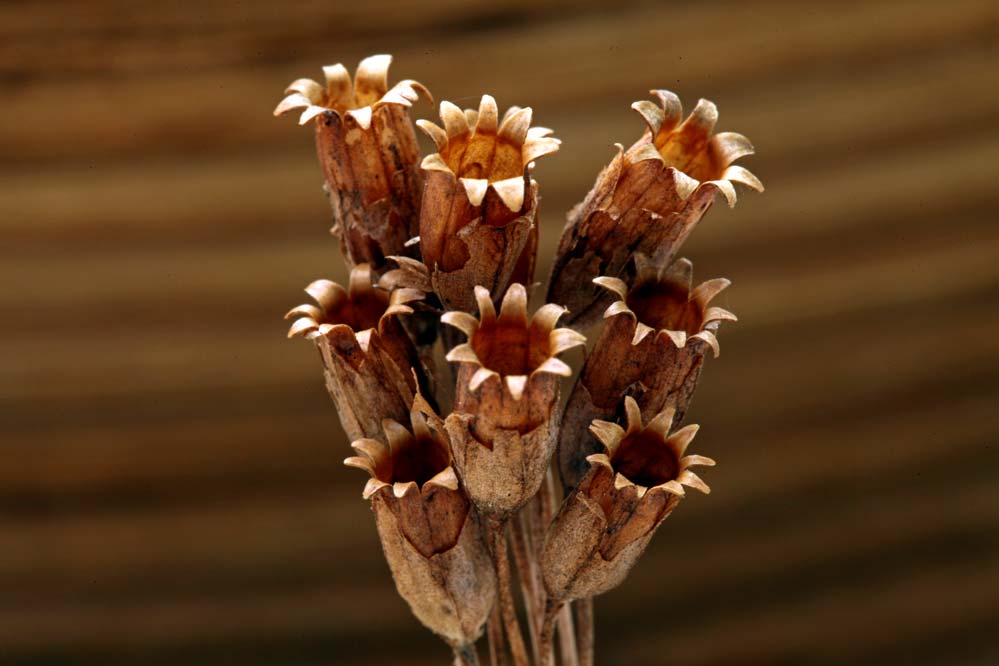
(430, 535)
(424, 323)
(480, 204)
(648, 200)
(652, 347)
(408, 273)
(505, 422)
(368, 358)
(605, 524)
(368, 154)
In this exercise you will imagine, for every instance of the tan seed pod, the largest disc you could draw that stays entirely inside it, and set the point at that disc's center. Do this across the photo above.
(632, 485)
(368, 154)
(478, 218)
(648, 199)
(430, 534)
(652, 347)
(424, 323)
(504, 425)
(368, 358)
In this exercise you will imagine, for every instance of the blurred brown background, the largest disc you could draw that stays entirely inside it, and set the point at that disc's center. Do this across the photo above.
(170, 482)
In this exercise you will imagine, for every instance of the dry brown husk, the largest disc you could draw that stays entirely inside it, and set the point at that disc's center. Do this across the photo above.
(504, 425)
(647, 200)
(478, 218)
(605, 524)
(371, 367)
(368, 154)
(653, 353)
(430, 534)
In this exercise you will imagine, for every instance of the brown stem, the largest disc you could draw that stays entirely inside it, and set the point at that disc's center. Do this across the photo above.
(508, 610)
(552, 609)
(567, 637)
(584, 630)
(494, 632)
(529, 580)
(465, 655)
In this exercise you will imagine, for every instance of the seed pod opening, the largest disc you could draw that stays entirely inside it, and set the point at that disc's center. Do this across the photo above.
(368, 153)
(368, 358)
(479, 210)
(652, 347)
(632, 485)
(504, 422)
(430, 535)
(647, 200)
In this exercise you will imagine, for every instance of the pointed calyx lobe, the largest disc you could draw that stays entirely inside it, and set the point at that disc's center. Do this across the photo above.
(652, 347)
(631, 486)
(504, 423)
(431, 538)
(368, 358)
(478, 217)
(368, 154)
(648, 199)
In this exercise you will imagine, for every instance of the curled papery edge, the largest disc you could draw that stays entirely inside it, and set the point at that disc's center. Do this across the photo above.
(679, 273)
(699, 158)
(611, 435)
(355, 100)
(313, 320)
(513, 310)
(462, 128)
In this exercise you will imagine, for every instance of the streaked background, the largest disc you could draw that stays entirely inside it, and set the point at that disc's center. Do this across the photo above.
(170, 482)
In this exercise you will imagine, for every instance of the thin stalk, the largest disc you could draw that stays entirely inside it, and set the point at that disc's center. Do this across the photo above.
(552, 609)
(529, 581)
(567, 637)
(465, 655)
(508, 611)
(584, 630)
(494, 632)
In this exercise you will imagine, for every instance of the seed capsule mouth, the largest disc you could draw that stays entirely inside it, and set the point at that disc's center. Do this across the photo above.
(362, 306)
(508, 348)
(643, 459)
(416, 458)
(483, 155)
(665, 304)
(689, 145)
(355, 99)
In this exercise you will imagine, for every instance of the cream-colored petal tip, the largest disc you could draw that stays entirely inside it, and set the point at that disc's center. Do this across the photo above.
(462, 354)
(481, 375)
(463, 321)
(475, 189)
(599, 459)
(361, 116)
(446, 478)
(516, 384)
(434, 162)
(617, 285)
(554, 366)
(401, 488)
(510, 192)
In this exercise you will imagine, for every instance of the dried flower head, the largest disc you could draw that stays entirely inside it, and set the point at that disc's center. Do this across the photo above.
(652, 347)
(430, 535)
(477, 222)
(504, 423)
(368, 358)
(648, 199)
(368, 153)
(605, 524)
(432, 239)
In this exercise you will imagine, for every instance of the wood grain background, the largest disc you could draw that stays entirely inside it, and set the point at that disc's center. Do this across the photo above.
(170, 482)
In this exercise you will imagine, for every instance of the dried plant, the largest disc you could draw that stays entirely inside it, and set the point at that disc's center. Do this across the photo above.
(478, 223)
(468, 505)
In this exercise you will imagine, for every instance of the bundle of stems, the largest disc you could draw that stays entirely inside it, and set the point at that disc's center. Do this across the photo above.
(502, 509)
